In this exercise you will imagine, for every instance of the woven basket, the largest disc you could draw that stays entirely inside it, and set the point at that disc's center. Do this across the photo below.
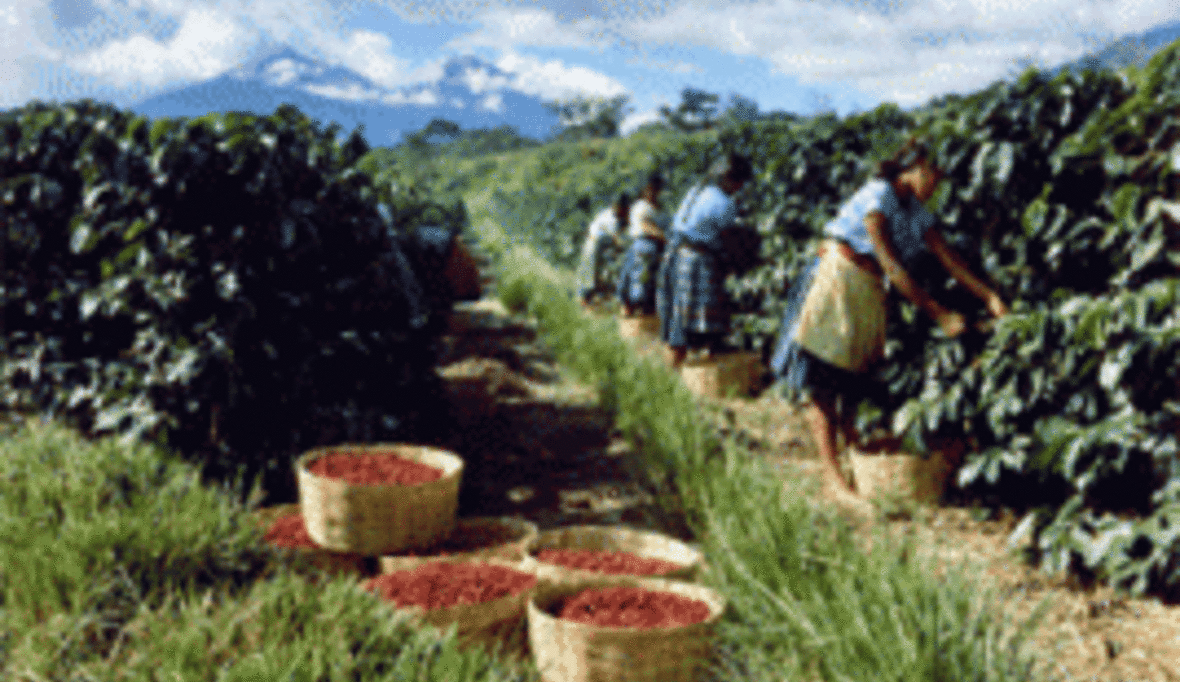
(335, 563)
(566, 651)
(899, 475)
(639, 327)
(722, 375)
(484, 623)
(380, 519)
(645, 544)
(514, 548)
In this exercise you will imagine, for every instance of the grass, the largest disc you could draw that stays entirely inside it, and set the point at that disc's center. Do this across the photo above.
(118, 563)
(808, 600)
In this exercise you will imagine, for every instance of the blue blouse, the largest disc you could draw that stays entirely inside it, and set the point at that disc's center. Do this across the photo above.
(908, 224)
(703, 214)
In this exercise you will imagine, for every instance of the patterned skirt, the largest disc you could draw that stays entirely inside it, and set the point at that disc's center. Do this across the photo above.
(637, 279)
(690, 295)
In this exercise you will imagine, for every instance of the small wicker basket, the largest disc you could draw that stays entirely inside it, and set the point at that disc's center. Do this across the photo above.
(509, 540)
(900, 475)
(484, 623)
(639, 327)
(380, 519)
(645, 544)
(719, 376)
(566, 651)
(334, 563)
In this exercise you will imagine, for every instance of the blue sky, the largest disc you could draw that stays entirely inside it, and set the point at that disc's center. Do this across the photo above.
(794, 55)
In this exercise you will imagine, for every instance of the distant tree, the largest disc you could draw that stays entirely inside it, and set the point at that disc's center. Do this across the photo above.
(697, 111)
(583, 117)
(741, 109)
(437, 128)
(489, 141)
(781, 116)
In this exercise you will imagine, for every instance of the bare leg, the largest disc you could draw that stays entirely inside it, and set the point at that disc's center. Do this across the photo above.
(677, 355)
(821, 417)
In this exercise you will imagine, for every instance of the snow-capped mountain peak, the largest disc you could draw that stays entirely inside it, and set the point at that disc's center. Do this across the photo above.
(471, 92)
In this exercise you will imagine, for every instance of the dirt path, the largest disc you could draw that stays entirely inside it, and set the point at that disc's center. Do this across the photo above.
(536, 444)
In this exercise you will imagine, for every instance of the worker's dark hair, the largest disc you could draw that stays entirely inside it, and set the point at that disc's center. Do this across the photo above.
(732, 166)
(655, 180)
(912, 153)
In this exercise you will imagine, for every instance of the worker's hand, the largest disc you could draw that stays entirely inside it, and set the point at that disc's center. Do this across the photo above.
(996, 306)
(952, 324)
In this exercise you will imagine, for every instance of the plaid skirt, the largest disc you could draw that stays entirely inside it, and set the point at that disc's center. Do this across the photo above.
(637, 279)
(690, 294)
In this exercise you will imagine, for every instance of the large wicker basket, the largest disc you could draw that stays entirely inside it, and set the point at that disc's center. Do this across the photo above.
(887, 473)
(482, 623)
(380, 519)
(720, 376)
(334, 563)
(509, 541)
(566, 651)
(645, 544)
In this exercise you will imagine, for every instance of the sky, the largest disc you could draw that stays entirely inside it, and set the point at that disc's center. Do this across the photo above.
(802, 56)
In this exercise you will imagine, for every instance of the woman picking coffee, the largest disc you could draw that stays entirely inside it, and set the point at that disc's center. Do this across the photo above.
(602, 236)
(637, 279)
(690, 296)
(833, 330)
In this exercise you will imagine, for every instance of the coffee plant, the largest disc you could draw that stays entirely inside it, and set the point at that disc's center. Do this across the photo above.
(229, 285)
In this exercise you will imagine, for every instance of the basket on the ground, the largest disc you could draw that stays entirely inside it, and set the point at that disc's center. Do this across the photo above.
(644, 544)
(717, 376)
(639, 327)
(501, 537)
(483, 622)
(883, 472)
(335, 563)
(568, 651)
(380, 519)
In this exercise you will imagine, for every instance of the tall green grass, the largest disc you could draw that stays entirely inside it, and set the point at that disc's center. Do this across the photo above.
(808, 600)
(118, 563)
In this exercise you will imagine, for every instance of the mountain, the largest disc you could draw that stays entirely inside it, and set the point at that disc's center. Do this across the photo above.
(471, 92)
(1129, 50)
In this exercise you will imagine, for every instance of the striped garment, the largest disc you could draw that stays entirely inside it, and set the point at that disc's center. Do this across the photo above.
(690, 294)
(637, 279)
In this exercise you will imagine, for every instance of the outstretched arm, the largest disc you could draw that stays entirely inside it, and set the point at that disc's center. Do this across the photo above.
(958, 268)
(952, 323)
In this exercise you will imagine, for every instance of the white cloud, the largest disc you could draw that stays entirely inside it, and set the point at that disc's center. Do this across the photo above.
(892, 57)
(282, 72)
(508, 28)
(493, 102)
(631, 123)
(207, 43)
(22, 48)
(481, 79)
(352, 93)
(425, 98)
(553, 79)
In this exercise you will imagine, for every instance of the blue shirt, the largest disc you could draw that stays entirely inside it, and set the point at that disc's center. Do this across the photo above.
(907, 223)
(703, 214)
